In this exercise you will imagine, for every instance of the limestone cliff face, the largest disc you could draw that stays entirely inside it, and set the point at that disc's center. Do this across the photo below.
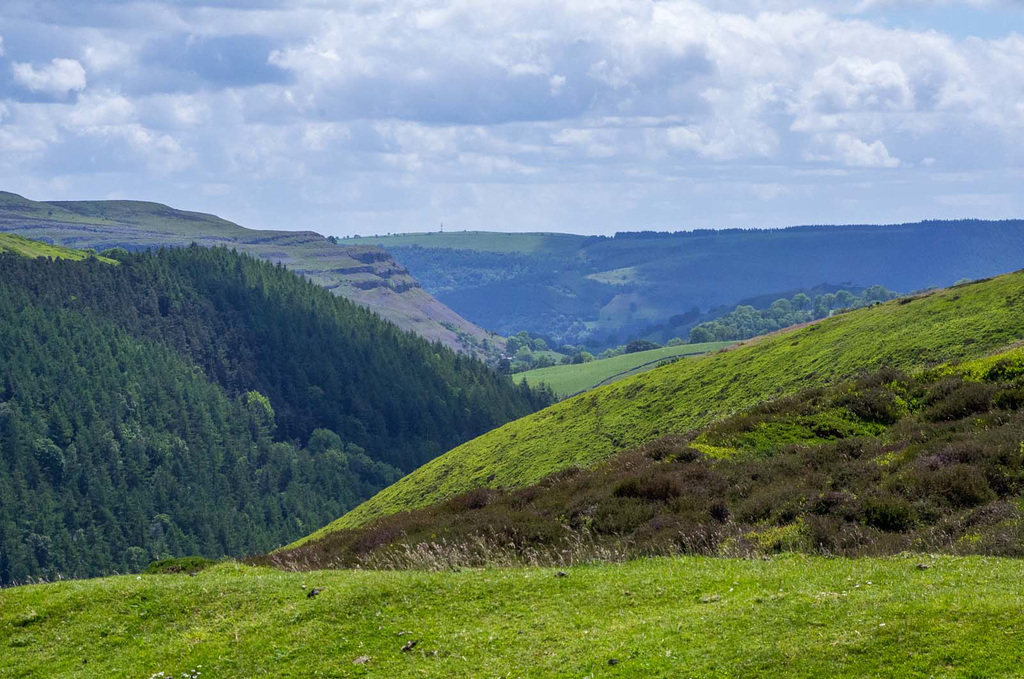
(365, 274)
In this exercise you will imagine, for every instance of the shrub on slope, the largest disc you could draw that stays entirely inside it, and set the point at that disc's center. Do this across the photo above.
(949, 325)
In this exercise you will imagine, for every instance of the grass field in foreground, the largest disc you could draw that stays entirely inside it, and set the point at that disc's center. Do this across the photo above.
(568, 380)
(686, 617)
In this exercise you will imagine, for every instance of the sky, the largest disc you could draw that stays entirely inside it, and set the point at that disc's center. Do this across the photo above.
(591, 117)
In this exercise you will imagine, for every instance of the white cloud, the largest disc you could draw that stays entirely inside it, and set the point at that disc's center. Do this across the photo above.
(594, 143)
(853, 152)
(857, 83)
(102, 55)
(418, 107)
(319, 136)
(15, 141)
(557, 84)
(59, 77)
(163, 153)
(95, 110)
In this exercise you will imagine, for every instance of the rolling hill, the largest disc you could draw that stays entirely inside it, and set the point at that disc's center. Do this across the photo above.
(602, 291)
(960, 323)
(569, 380)
(365, 274)
(883, 464)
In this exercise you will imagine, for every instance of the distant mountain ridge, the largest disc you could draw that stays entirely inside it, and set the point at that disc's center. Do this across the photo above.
(602, 291)
(365, 274)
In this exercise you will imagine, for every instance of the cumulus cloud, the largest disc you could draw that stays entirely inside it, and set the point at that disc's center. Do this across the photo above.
(853, 152)
(859, 83)
(607, 115)
(59, 77)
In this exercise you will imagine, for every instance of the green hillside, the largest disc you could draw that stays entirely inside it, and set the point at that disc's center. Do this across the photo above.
(363, 273)
(882, 464)
(963, 322)
(26, 247)
(687, 617)
(569, 380)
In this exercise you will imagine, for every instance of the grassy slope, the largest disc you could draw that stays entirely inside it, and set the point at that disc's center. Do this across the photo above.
(960, 323)
(688, 617)
(877, 465)
(31, 248)
(568, 380)
(483, 241)
(12, 203)
(363, 273)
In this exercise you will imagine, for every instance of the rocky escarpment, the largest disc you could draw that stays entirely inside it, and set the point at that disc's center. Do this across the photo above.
(365, 274)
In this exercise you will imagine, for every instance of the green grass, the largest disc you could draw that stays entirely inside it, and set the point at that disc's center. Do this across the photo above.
(33, 248)
(964, 322)
(623, 276)
(483, 241)
(684, 617)
(13, 204)
(569, 380)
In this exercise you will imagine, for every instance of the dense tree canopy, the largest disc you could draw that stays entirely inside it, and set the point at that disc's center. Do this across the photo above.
(746, 321)
(198, 401)
(321, 360)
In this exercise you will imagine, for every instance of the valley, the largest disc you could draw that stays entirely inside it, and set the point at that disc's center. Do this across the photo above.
(702, 497)
(601, 291)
